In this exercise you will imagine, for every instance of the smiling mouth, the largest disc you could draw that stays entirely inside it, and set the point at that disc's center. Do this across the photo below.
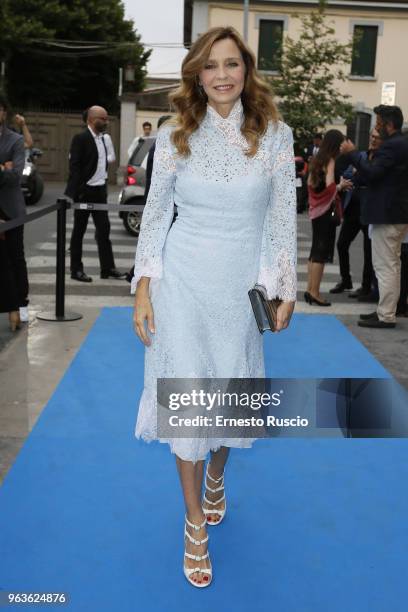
(223, 87)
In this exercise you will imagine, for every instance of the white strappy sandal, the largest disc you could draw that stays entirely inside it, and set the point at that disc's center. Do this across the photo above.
(208, 511)
(189, 571)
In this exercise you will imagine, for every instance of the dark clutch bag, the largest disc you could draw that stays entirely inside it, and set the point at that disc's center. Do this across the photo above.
(265, 310)
(334, 217)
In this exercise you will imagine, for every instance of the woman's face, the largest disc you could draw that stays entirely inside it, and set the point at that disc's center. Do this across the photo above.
(223, 76)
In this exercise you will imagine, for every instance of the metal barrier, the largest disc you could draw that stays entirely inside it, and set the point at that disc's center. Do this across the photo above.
(59, 314)
(23, 219)
(115, 207)
(61, 206)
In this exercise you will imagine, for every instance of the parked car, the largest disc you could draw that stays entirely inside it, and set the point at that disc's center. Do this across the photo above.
(32, 183)
(134, 185)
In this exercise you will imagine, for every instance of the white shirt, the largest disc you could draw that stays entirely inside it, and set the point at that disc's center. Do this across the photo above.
(109, 148)
(100, 176)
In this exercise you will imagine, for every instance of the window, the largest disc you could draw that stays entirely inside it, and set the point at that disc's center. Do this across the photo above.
(359, 130)
(364, 50)
(142, 149)
(270, 44)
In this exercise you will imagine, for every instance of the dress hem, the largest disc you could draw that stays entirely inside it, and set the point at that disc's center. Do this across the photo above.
(228, 442)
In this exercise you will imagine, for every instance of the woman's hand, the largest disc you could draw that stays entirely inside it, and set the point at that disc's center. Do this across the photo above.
(20, 120)
(347, 146)
(8, 165)
(143, 311)
(345, 184)
(283, 315)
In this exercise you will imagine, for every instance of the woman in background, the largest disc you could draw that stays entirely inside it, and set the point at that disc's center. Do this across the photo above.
(324, 207)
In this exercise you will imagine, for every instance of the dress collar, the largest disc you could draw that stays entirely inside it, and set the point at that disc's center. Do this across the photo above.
(230, 127)
(234, 118)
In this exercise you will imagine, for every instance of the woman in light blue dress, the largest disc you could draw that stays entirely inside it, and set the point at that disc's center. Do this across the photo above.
(228, 165)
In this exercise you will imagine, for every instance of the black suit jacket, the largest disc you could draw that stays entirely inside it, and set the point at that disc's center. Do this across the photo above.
(83, 161)
(386, 176)
(11, 197)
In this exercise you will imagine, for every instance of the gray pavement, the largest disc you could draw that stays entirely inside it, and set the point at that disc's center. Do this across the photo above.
(33, 360)
(31, 366)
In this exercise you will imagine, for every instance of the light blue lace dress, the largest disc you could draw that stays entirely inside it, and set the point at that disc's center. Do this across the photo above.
(236, 226)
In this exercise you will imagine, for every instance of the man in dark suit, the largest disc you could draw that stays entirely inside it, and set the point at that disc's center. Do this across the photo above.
(87, 182)
(385, 207)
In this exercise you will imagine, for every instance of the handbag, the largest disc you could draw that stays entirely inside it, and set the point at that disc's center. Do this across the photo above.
(265, 310)
(335, 218)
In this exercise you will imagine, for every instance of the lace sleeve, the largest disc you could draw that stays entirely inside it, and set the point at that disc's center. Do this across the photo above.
(277, 272)
(158, 212)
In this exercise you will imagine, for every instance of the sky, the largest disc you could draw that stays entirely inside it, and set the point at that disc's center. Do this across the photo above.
(159, 21)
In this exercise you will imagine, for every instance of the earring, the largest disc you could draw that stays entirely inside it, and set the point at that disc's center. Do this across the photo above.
(201, 90)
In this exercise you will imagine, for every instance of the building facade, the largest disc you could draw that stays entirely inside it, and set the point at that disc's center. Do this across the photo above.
(379, 29)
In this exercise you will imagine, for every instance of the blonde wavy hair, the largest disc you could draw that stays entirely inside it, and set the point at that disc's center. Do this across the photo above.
(190, 101)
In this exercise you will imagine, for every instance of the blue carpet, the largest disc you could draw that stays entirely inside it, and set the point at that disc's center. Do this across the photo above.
(312, 525)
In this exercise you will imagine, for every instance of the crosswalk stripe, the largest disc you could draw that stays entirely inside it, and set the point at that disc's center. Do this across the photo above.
(118, 224)
(324, 286)
(113, 218)
(93, 247)
(119, 230)
(39, 279)
(339, 308)
(115, 227)
(43, 278)
(90, 239)
(130, 249)
(47, 301)
(43, 261)
(126, 238)
(330, 269)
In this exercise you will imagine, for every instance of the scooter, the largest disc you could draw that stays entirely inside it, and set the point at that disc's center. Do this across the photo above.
(32, 183)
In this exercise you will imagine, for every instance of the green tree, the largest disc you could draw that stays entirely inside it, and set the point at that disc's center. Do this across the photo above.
(307, 86)
(44, 72)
